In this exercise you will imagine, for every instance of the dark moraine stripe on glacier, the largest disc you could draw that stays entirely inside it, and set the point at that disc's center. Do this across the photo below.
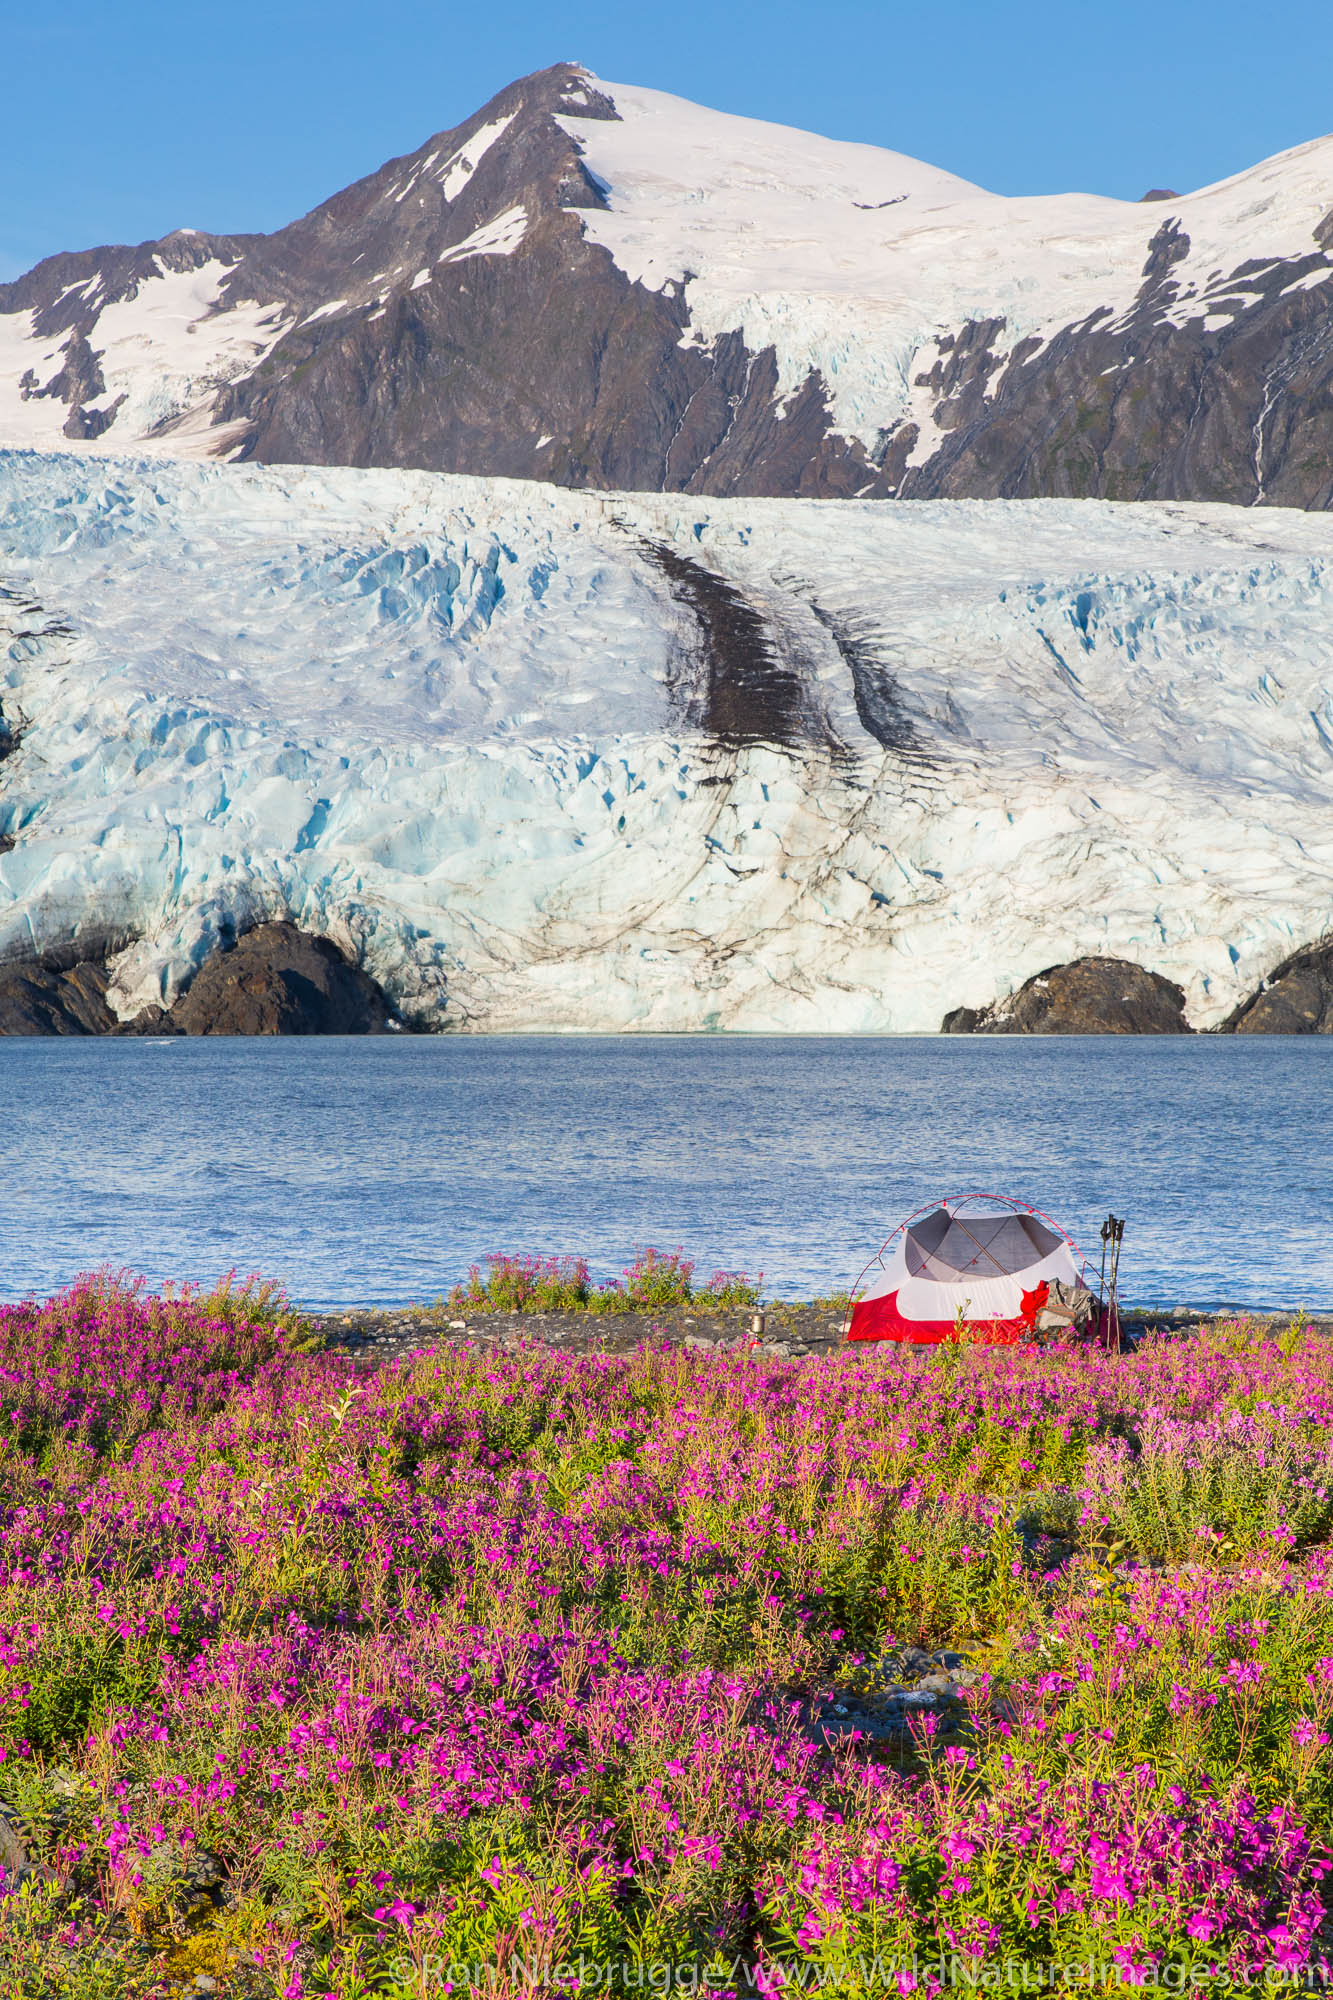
(748, 693)
(879, 702)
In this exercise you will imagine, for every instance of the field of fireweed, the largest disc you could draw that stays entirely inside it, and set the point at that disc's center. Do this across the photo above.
(499, 1668)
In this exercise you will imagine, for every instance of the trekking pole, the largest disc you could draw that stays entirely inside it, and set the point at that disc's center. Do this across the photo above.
(1117, 1239)
(1101, 1281)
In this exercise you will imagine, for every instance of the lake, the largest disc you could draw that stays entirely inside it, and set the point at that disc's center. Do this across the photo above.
(374, 1171)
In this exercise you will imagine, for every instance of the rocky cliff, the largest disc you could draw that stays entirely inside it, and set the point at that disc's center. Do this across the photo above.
(1295, 999)
(273, 981)
(1092, 996)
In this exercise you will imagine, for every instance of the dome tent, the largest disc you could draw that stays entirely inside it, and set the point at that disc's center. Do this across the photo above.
(982, 1265)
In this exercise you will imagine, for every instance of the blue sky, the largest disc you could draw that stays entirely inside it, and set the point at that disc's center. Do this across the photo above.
(122, 121)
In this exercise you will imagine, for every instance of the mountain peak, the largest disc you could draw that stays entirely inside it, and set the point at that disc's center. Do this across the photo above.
(606, 285)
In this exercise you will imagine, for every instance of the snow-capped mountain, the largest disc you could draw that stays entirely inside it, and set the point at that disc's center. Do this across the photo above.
(543, 759)
(606, 287)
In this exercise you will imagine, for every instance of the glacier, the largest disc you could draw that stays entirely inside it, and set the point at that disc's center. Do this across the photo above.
(540, 759)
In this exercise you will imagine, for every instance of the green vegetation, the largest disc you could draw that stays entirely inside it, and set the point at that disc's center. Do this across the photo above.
(314, 1683)
(657, 1281)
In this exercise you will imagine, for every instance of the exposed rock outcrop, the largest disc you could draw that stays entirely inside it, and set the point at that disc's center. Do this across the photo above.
(35, 1000)
(277, 980)
(1089, 996)
(1296, 999)
(1149, 409)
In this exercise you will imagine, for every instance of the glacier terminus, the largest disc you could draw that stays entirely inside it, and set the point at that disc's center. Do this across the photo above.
(542, 759)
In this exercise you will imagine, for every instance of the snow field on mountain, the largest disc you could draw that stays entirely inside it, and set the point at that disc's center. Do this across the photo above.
(460, 726)
(852, 259)
(165, 353)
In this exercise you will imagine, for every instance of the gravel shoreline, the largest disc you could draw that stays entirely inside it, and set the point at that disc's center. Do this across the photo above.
(372, 1337)
(376, 1336)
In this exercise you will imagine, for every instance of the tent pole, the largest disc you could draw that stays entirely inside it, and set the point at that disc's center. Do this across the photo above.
(981, 1246)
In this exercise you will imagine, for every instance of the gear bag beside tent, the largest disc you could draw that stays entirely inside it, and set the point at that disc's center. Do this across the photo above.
(982, 1266)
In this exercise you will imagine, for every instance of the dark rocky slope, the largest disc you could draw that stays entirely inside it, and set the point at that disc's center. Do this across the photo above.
(547, 363)
(1089, 996)
(1295, 999)
(276, 980)
(1143, 408)
(38, 1000)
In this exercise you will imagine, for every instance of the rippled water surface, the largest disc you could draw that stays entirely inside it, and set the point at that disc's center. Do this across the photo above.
(375, 1171)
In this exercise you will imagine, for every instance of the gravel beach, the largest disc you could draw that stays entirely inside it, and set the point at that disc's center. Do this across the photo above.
(374, 1336)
